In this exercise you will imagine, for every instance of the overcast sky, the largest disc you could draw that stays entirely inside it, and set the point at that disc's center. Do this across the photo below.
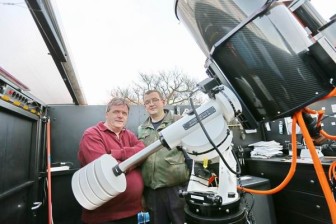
(112, 41)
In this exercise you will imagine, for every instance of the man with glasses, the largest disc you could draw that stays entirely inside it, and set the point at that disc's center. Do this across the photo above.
(165, 171)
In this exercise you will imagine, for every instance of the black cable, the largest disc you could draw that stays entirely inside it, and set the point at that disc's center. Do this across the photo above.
(210, 140)
(325, 116)
(249, 211)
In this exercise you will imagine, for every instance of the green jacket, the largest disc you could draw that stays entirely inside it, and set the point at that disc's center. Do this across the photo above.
(163, 168)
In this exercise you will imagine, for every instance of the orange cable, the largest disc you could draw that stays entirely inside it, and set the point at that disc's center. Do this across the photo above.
(325, 134)
(49, 174)
(318, 168)
(290, 172)
(332, 171)
(321, 114)
(332, 93)
(297, 117)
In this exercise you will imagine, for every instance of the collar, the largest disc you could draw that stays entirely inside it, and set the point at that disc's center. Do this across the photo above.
(102, 127)
(166, 119)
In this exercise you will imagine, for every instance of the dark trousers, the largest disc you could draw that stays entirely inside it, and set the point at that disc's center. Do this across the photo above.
(165, 206)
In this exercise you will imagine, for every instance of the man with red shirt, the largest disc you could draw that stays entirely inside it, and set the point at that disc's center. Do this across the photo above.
(111, 137)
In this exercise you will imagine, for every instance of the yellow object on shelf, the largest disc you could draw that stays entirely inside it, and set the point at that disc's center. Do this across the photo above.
(5, 97)
(205, 163)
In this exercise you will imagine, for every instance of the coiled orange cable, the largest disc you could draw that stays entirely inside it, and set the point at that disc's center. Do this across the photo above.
(318, 169)
(298, 118)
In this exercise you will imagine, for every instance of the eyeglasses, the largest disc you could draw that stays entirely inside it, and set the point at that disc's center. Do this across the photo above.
(154, 100)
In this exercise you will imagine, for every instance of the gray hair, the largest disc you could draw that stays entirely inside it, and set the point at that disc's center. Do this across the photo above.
(117, 101)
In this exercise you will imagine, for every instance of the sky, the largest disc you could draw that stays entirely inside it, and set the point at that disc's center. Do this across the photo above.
(111, 41)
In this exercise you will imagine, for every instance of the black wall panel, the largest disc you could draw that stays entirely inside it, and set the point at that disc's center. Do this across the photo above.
(14, 209)
(19, 151)
(69, 122)
(329, 122)
(243, 138)
(15, 147)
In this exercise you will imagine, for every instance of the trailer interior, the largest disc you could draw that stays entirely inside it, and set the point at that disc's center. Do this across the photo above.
(44, 112)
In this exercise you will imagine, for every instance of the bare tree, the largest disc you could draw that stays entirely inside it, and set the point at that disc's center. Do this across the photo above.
(174, 85)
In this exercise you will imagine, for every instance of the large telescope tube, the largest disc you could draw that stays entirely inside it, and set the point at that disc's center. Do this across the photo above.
(266, 62)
